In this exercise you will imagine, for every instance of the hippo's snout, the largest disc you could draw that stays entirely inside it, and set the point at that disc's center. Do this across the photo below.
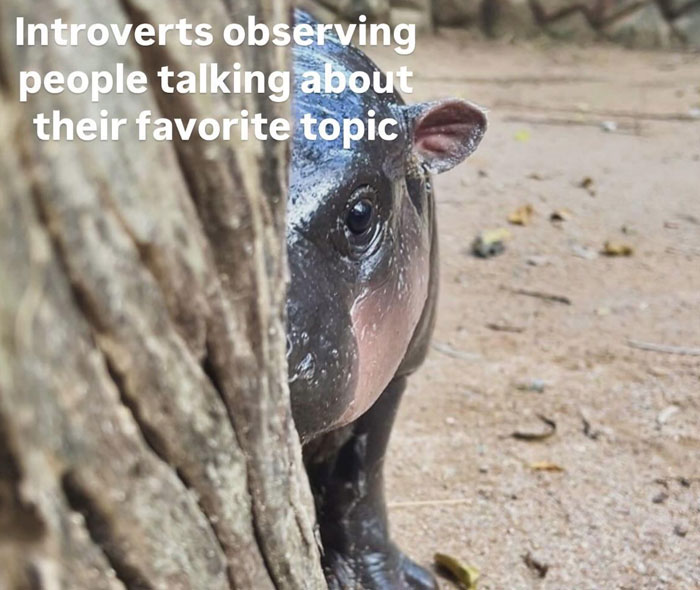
(321, 347)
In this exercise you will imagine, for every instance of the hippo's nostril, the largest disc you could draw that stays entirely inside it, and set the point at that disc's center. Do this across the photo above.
(305, 369)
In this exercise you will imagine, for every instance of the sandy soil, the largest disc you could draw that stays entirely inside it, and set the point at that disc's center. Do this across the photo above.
(625, 512)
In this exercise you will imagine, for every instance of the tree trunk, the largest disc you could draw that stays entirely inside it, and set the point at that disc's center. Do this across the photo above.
(146, 438)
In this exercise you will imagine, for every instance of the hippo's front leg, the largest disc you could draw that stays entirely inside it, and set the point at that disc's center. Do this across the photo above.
(346, 472)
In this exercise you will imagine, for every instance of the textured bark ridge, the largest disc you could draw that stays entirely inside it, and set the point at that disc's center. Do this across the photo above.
(146, 439)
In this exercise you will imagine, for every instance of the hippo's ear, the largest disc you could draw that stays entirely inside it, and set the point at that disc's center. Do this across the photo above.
(445, 132)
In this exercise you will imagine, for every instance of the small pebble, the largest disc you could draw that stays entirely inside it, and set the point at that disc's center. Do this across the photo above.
(538, 261)
(490, 243)
(666, 414)
(584, 252)
(660, 498)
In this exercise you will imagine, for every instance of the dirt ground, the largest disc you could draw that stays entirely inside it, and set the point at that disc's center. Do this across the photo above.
(625, 511)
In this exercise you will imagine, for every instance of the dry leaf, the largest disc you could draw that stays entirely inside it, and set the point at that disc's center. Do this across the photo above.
(466, 575)
(522, 215)
(536, 565)
(546, 466)
(535, 436)
(611, 248)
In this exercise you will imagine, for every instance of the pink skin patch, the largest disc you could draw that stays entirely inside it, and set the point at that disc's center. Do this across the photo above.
(383, 321)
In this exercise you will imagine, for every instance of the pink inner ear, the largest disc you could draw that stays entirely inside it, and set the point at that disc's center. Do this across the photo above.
(448, 132)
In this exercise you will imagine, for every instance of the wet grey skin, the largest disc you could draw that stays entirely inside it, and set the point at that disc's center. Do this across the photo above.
(363, 256)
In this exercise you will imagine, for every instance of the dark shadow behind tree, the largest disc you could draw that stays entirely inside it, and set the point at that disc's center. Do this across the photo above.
(146, 439)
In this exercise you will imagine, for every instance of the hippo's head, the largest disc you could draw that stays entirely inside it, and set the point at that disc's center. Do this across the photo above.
(359, 235)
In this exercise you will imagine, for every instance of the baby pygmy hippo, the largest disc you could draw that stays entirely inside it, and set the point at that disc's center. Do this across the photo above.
(362, 247)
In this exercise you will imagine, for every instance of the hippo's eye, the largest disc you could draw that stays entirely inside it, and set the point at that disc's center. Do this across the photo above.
(360, 217)
(359, 226)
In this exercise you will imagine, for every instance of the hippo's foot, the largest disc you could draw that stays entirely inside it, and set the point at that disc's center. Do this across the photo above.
(388, 569)
(346, 472)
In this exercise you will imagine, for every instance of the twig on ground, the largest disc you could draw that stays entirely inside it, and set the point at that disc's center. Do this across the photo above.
(611, 113)
(689, 218)
(541, 295)
(567, 122)
(418, 503)
(665, 348)
(446, 349)
(683, 251)
(506, 328)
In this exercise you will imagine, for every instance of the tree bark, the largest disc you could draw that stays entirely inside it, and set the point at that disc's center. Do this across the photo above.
(146, 438)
